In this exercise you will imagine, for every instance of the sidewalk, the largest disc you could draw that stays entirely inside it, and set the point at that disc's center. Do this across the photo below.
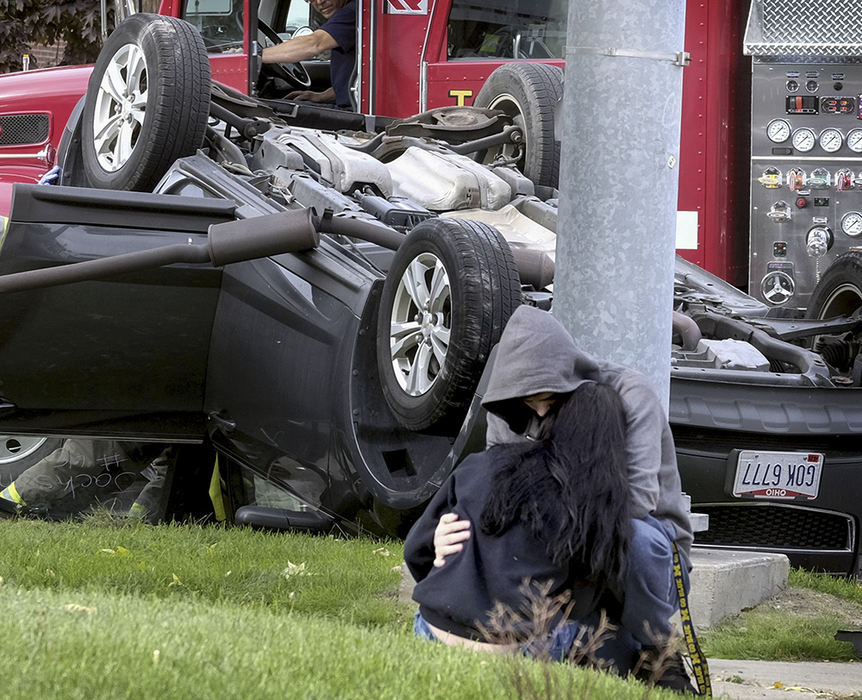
(799, 680)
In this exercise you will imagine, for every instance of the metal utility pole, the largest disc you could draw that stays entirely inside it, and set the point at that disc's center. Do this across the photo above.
(618, 180)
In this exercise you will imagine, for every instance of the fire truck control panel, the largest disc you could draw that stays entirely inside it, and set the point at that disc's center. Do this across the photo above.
(806, 146)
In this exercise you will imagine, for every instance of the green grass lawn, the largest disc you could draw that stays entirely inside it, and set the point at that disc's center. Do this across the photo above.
(848, 589)
(96, 611)
(773, 633)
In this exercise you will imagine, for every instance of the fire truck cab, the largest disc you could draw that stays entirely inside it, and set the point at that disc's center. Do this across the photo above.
(412, 55)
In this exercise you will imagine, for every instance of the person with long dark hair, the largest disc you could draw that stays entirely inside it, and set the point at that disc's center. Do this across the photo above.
(537, 366)
(552, 517)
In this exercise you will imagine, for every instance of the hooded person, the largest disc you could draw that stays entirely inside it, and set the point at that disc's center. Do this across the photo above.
(550, 548)
(537, 362)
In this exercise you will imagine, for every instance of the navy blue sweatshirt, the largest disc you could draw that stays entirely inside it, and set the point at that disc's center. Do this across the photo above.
(458, 596)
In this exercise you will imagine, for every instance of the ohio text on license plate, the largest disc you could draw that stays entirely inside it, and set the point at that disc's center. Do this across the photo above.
(778, 474)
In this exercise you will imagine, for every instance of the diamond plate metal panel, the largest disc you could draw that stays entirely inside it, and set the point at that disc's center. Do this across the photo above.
(804, 28)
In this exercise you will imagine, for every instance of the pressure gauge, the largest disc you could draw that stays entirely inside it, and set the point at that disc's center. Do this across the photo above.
(804, 140)
(831, 140)
(778, 130)
(851, 223)
(854, 140)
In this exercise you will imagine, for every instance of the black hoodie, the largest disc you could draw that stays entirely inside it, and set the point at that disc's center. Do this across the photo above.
(491, 568)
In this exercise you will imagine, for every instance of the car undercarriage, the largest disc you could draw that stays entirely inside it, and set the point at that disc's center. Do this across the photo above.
(319, 305)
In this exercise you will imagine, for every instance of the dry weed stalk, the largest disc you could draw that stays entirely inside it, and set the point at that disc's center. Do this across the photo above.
(650, 670)
(532, 628)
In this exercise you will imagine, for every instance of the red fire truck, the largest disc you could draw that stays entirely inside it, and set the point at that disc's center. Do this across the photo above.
(414, 55)
(754, 206)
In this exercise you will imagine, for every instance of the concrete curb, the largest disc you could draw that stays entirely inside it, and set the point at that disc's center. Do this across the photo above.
(725, 582)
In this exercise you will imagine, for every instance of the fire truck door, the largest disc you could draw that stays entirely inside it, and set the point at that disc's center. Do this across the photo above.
(395, 35)
(225, 26)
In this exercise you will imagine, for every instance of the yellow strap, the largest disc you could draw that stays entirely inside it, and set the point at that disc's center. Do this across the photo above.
(10, 493)
(698, 660)
(137, 510)
(216, 495)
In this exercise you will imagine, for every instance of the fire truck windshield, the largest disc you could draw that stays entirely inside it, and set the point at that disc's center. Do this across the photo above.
(481, 29)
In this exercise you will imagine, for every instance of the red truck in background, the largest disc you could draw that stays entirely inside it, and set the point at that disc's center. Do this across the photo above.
(414, 55)
(762, 203)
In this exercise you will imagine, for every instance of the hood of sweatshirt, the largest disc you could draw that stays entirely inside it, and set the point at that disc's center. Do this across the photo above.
(536, 354)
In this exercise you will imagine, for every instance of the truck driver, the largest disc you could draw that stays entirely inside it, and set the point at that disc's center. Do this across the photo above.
(337, 33)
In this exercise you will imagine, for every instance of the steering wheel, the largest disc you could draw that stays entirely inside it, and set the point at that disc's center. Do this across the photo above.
(292, 73)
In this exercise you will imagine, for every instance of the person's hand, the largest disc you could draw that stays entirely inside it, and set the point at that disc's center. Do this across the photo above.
(302, 95)
(449, 535)
(326, 96)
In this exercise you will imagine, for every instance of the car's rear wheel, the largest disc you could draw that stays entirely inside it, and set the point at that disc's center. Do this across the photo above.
(450, 289)
(18, 452)
(528, 93)
(839, 291)
(147, 102)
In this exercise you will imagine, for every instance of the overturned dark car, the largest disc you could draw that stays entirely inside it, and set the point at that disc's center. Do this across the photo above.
(312, 307)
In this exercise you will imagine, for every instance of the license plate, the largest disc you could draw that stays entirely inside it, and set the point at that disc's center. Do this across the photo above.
(778, 474)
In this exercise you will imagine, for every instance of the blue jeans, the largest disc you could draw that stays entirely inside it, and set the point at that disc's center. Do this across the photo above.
(650, 594)
(619, 651)
(421, 628)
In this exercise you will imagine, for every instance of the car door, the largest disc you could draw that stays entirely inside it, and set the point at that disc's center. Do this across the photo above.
(110, 355)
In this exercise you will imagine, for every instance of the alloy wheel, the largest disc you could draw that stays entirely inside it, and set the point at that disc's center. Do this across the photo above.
(421, 324)
(16, 447)
(120, 107)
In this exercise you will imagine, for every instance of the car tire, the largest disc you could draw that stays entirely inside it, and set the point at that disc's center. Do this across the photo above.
(451, 287)
(528, 93)
(839, 291)
(147, 102)
(18, 452)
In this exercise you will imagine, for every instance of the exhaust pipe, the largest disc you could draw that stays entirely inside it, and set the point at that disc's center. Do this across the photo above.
(688, 330)
(247, 239)
(230, 242)
(535, 267)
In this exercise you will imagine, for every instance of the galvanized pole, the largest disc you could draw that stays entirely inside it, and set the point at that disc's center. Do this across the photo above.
(618, 180)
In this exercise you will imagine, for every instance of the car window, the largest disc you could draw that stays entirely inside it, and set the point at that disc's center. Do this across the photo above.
(507, 29)
(220, 23)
